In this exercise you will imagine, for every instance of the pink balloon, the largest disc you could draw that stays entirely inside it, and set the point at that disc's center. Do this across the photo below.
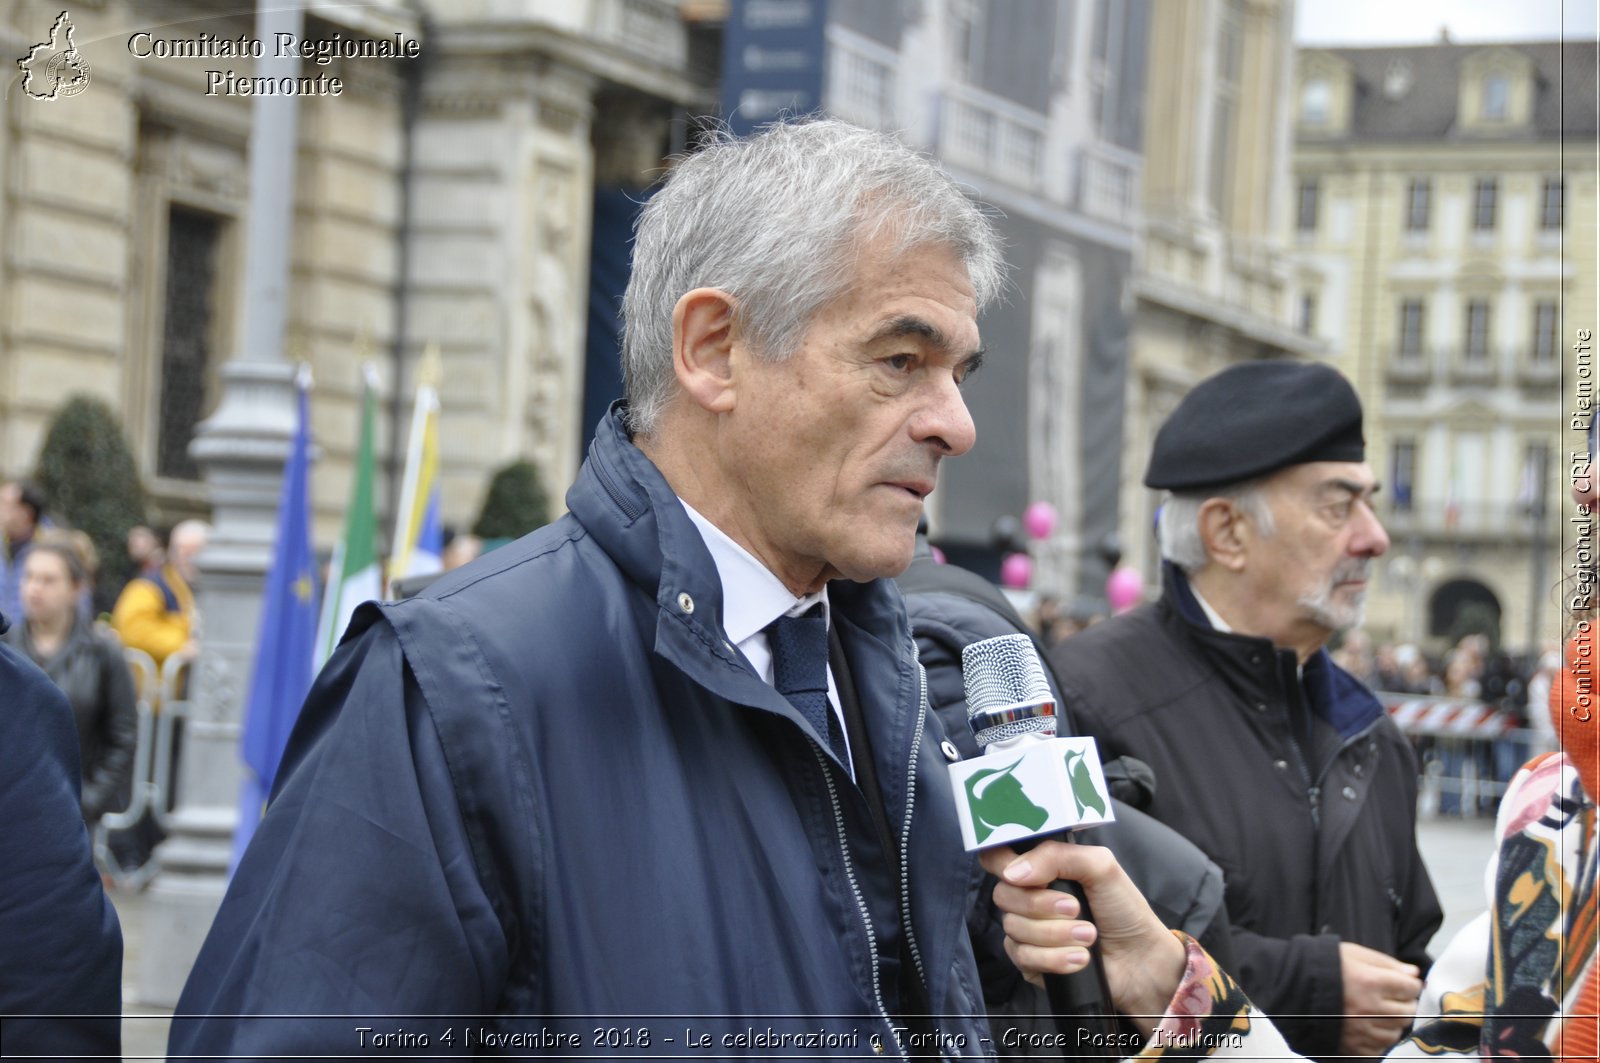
(938, 555)
(1039, 519)
(1016, 571)
(1124, 588)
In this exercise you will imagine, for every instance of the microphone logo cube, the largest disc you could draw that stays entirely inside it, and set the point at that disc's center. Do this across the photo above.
(1034, 787)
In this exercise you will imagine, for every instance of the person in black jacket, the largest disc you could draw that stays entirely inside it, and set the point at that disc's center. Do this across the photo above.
(950, 608)
(60, 945)
(1280, 765)
(86, 665)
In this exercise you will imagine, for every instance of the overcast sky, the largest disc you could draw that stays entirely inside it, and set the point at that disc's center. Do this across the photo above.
(1330, 22)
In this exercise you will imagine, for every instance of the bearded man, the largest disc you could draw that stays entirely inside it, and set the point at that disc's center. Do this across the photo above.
(1277, 763)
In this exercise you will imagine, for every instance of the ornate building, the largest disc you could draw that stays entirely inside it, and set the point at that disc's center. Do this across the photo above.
(440, 198)
(1444, 208)
(1215, 281)
(1036, 105)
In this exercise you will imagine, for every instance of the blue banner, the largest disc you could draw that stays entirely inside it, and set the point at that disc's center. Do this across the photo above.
(772, 61)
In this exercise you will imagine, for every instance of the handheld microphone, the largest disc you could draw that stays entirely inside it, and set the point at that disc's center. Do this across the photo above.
(1029, 783)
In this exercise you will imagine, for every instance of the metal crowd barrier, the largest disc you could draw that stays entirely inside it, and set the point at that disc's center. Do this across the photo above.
(1467, 750)
(158, 709)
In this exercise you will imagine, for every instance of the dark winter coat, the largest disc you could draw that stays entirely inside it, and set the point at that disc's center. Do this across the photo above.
(950, 608)
(90, 670)
(1315, 834)
(60, 944)
(548, 786)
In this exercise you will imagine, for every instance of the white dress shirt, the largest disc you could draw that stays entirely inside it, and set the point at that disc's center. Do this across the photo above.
(752, 598)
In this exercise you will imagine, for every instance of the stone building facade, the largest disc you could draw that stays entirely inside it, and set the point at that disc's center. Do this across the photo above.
(1445, 210)
(1215, 279)
(442, 199)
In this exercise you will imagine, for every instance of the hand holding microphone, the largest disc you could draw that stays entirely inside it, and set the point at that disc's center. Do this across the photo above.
(1028, 784)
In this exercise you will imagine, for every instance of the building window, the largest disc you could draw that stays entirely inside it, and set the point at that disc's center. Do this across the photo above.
(1316, 100)
(1532, 494)
(1552, 204)
(1308, 312)
(1476, 347)
(1496, 97)
(1544, 332)
(1410, 342)
(1225, 105)
(1402, 473)
(193, 240)
(1419, 202)
(1483, 202)
(1306, 205)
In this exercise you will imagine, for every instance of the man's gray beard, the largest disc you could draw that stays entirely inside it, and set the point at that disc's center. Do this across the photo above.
(1330, 614)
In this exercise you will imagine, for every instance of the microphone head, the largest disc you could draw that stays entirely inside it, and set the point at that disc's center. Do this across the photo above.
(1007, 693)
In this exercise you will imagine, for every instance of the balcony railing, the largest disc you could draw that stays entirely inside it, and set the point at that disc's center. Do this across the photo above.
(1479, 370)
(1445, 518)
(1408, 367)
(861, 82)
(1110, 178)
(983, 132)
(1538, 372)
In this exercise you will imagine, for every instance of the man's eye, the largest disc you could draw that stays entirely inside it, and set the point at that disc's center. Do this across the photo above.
(901, 363)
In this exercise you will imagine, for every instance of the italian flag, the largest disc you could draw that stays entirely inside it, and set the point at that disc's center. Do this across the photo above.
(354, 575)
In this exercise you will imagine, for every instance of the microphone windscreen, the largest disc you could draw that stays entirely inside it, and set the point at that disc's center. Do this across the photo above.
(1004, 670)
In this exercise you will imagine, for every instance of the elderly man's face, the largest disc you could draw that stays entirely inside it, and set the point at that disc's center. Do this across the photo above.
(1312, 572)
(833, 450)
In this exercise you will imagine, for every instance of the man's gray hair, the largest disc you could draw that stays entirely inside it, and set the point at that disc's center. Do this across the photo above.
(1178, 528)
(774, 220)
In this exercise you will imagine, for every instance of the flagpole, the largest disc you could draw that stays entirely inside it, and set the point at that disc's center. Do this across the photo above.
(407, 516)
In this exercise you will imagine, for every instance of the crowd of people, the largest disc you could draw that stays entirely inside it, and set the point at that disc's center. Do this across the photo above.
(49, 579)
(683, 753)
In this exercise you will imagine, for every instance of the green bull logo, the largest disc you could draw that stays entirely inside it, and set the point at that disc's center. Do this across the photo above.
(997, 799)
(1084, 792)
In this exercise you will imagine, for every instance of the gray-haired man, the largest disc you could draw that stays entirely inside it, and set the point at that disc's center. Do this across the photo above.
(663, 768)
(1278, 764)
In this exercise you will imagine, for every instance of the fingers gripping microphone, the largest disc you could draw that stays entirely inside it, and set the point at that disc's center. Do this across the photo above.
(1028, 783)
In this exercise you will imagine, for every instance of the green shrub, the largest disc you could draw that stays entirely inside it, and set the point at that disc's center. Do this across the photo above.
(515, 505)
(91, 482)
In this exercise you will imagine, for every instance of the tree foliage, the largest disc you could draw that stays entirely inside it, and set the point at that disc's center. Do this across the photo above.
(87, 472)
(515, 505)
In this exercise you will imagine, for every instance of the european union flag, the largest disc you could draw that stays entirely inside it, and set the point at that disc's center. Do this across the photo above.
(283, 667)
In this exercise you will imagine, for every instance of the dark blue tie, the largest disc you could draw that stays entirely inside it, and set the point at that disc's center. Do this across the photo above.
(800, 672)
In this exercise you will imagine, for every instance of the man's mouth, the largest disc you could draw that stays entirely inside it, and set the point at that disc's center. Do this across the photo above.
(918, 489)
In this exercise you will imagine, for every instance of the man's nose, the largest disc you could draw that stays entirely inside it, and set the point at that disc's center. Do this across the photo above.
(1371, 540)
(945, 419)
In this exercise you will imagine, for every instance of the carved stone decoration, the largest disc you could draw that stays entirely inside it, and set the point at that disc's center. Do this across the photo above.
(214, 689)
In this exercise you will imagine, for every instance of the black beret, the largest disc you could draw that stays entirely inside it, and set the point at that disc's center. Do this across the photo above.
(1253, 419)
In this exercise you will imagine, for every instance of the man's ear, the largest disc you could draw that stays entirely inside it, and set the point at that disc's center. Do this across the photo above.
(1222, 533)
(702, 348)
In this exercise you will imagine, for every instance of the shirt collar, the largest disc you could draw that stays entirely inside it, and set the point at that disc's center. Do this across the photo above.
(1212, 615)
(752, 597)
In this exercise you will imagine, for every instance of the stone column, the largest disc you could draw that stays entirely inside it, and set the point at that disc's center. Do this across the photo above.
(241, 450)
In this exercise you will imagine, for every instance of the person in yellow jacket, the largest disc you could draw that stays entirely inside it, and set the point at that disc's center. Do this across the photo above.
(155, 612)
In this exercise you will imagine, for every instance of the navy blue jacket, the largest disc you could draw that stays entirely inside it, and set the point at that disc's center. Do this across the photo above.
(549, 787)
(60, 943)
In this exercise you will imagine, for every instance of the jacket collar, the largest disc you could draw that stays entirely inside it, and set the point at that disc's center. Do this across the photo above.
(633, 514)
(1335, 695)
(80, 634)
